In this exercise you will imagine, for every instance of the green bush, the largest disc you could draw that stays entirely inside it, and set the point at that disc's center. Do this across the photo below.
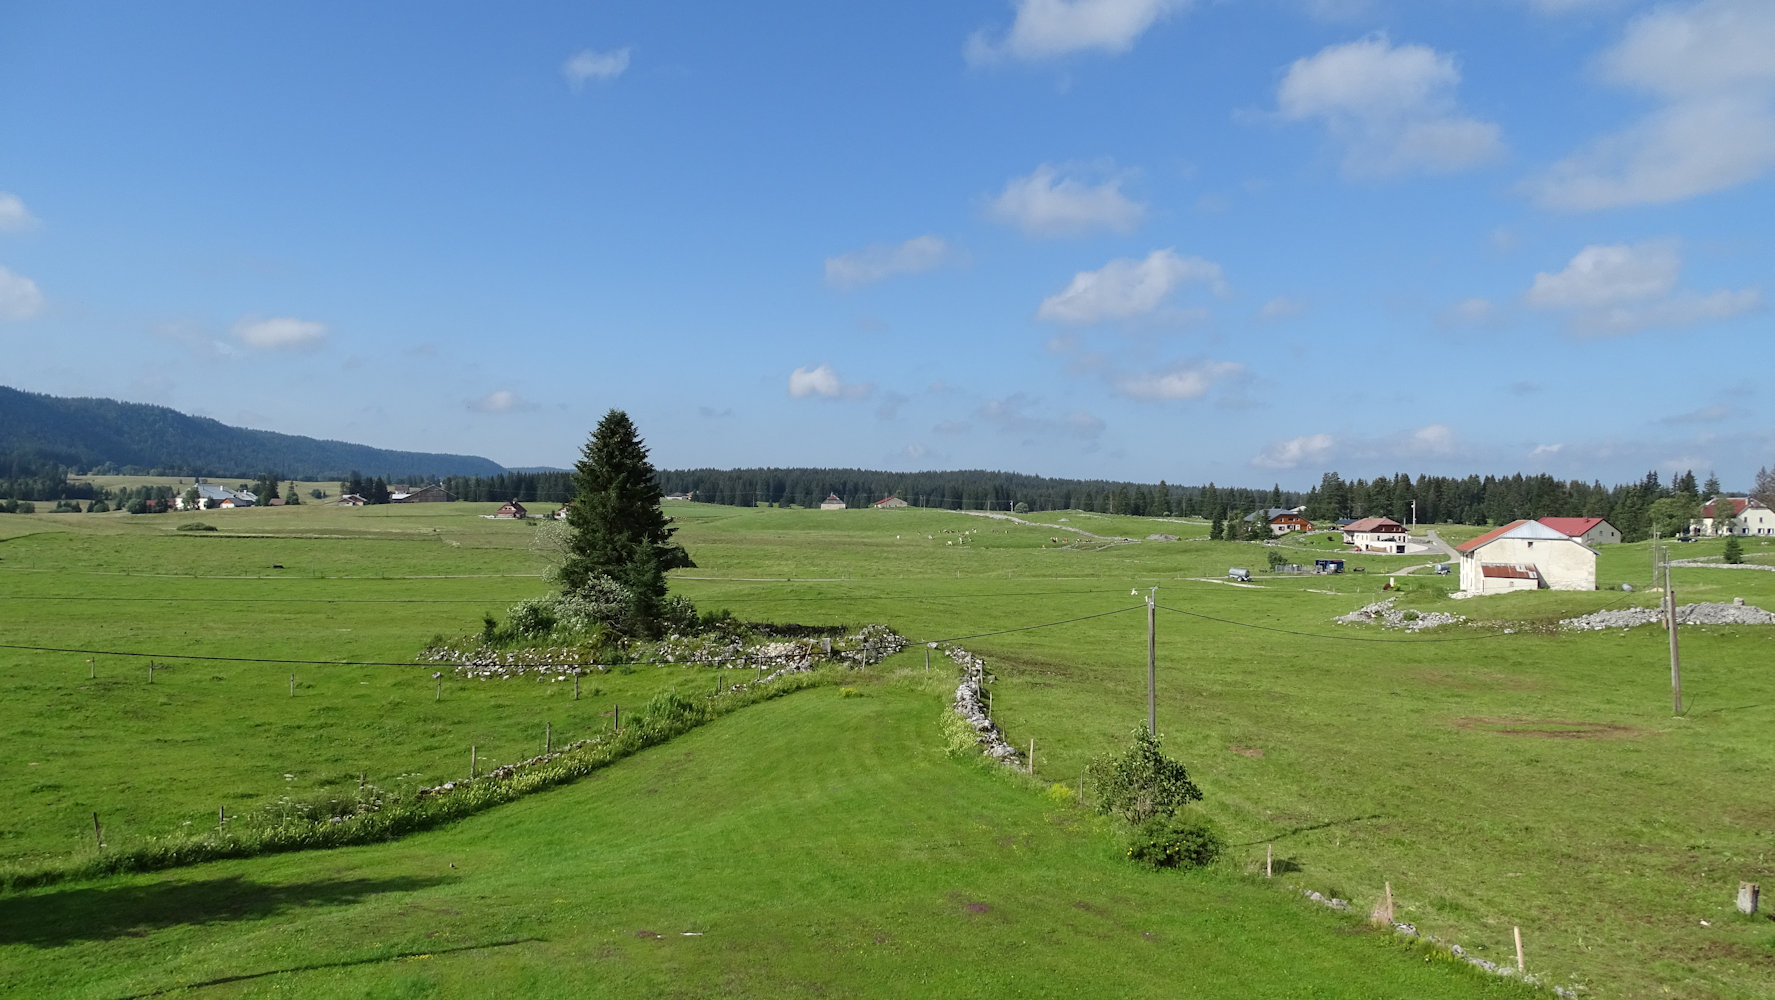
(1140, 782)
(195, 526)
(1181, 840)
(849, 692)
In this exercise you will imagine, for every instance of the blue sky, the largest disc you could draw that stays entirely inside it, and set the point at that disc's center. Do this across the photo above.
(1241, 240)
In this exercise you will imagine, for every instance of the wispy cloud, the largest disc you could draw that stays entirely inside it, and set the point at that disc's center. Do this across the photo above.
(1708, 67)
(499, 401)
(14, 216)
(1046, 29)
(1626, 287)
(1705, 415)
(1126, 289)
(587, 65)
(20, 298)
(1430, 441)
(1177, 382)
(1054, 201)
(823, 382)
(280, 333)
(1392, 108)
(1295, 452)
(873, 263)
(1280, 308)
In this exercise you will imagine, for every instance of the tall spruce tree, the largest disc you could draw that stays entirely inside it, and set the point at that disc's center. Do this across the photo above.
(615, 527)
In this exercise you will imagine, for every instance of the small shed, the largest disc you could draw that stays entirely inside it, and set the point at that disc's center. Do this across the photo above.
(512, 509)
(832, 502)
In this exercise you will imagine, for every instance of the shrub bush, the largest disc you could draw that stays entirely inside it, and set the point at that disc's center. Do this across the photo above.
(195, 526)
(1140, 782)
(1181, 840)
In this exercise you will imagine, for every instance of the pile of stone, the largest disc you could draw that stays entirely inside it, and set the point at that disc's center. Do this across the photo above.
(1391, 617)
(867, 647)
(1706, 613)
(1713, 562)
(971, 706)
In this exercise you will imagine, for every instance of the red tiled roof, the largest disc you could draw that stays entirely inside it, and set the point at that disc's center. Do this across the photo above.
(1473, 543)
(1573, 526)
(1738, 505)
(1375, 524)
(1501, 571)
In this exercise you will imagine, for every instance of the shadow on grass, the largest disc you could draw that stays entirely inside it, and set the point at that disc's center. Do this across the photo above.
(53, 919)
(1308, 829)
(345, 964)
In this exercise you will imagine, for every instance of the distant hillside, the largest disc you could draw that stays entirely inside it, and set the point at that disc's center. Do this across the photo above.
(136, 438)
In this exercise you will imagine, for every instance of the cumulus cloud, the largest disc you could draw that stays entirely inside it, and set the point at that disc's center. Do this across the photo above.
(1295, 452)
(14, 216)
(1436, 439)
(873, 263)
(825, 383)
(498, 401)
(590, 64)
(19, 297)
(280, 333)
(1707, 67)
(1126, 288)
(1049, 202)
(1181, 381)
(1545, 450)
(1391, 107)
(1046, 29)
(1623, 288)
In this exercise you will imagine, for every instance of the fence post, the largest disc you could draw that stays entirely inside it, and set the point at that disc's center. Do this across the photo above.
(548, 737)
(292, 685)
(150, 671)
(1520, 967)
(576, 686)
(471, 761)
(1032, 757)
(96, 834)
(1269, 860)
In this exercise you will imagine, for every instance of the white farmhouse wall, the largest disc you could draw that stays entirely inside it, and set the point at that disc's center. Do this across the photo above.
(1564, 564)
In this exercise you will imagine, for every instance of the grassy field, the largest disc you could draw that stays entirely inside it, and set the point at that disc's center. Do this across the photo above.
(1531, 779)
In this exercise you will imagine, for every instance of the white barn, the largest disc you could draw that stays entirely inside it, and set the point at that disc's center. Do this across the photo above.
(832, 502)
(1526, 555)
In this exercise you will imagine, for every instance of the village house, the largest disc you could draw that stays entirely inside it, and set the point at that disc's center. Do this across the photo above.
(1589, 530)
(832, 502)
(1281, 520)
(213, 497)
(1748, 517)
(350, 500)
(560, 513)
(679, 496)
(888, 503)
(434, 493)
(1376, 534)
(1526, 555)
(512, 509)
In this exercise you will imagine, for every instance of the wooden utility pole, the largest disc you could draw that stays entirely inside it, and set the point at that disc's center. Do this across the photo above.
(1676, 667)
(1152, 661)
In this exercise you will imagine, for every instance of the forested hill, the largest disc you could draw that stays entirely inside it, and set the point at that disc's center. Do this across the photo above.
(106, 436)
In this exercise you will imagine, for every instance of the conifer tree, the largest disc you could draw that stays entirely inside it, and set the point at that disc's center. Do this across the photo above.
(615, 527)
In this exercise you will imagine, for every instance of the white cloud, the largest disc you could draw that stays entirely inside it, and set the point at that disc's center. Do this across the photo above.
(1281, 308)
(1436, 439)
(1470, 312)
(280, 333)
(1709, 67)
(1545, 450)
(873, 263)
(1049, 203)
(499, 401)
(1392, 108)
(1126, 288)
(590, 64)
(1295, 452)
(1045, 29)
(14, 216)
(824, 382)
(1183, 381)
(19, 297)
(1622, 288)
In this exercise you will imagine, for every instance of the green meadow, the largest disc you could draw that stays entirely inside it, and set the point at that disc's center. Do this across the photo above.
(1498, 774)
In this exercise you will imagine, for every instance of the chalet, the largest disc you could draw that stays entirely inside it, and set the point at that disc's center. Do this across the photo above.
(560, 513)
(1376, 534)
(212, 497)
(434, 493)
(1748, 517)
(1526, 555)
(350, 500)
(512, 510)
(679, 496)
(1281, 520)
(1589, 530)
(832, 502)
(889, 503)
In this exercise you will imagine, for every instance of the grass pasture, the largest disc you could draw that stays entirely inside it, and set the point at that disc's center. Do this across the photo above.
(1533, 779)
